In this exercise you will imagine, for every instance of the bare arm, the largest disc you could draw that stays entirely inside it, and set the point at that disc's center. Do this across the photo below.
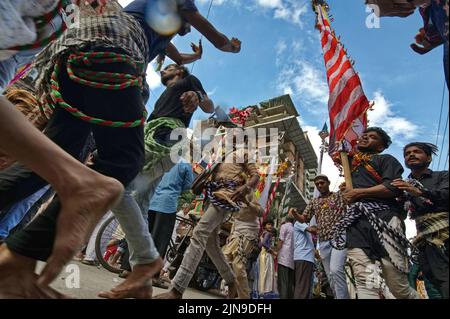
(207, 105)
(219, 40)
(279, 245)
(191, 100)
(245, 189)
(296, 216)
(312, 230)
(379, 191)
(183, 58)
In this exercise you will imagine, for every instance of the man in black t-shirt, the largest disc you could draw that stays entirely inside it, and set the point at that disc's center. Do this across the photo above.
(174, 109)
(428, 205)
(183, 94)
(372, 175)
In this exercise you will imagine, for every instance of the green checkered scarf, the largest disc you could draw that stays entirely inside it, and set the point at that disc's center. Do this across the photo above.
(155, 152)
(432, 228)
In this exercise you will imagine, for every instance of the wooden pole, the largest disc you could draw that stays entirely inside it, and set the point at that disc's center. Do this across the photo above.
(347, 170)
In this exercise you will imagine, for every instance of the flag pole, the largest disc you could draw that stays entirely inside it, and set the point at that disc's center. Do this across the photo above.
(347, 171)
(324, 146)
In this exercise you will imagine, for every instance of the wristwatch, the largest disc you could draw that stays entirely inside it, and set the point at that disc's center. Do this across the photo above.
(200, 95)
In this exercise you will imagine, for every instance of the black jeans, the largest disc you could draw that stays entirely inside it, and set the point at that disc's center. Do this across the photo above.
(120, 150)
(161, 227)
(434, 263)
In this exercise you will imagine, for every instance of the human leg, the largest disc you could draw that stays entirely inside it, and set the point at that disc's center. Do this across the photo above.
(338, 277)
(434, 264)
(303, 279)
(162, 229)
(366, 274)
(212, 218)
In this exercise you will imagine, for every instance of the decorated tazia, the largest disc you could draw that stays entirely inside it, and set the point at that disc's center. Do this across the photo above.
(240, 117)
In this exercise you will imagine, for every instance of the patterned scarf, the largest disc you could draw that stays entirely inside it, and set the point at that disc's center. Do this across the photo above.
(213, 186)
(388, 236)
(433, 229)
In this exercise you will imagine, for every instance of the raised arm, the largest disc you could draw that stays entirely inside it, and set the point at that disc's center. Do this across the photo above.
(219, 40)
(184, 58)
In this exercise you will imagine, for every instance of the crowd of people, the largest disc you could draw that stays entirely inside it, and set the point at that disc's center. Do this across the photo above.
(91, 155)
(357, 236)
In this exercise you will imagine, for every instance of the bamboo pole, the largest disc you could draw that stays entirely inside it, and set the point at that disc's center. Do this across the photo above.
(347, 170)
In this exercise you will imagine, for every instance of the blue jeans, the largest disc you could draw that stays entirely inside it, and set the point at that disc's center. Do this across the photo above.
(9, 67)
(333, 261)
(131, 218)
(18, 211)
(132, 214)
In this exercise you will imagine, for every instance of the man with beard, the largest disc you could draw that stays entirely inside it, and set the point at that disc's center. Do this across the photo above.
(428, 205)
(375, 230)
(327, 210)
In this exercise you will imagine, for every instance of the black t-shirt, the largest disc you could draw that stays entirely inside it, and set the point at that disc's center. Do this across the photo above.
(436, 190)
(169, 103)
(361, 234)
(389, 169)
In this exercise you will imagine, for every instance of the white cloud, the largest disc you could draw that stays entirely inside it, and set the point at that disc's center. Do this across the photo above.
(411, 230)
(288, 10)
(328, 167)
(288, 90)
(306, 82)
(217, 2)
(124, 3)
(153, 78)
(212, 92)
(292, 11)
(397, 126)
(270, 3)
(281, 47)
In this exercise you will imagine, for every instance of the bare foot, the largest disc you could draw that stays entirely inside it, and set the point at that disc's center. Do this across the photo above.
(83, 203)
(18, 280)
(138, 283)
(172, 294)
(143, 292)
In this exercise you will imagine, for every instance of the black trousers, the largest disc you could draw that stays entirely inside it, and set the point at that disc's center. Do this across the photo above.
(120, 150)
(434, 263)
(285, 282)
(161, 227)
(303, 279)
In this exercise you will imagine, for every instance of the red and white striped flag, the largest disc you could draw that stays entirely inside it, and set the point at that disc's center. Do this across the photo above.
(347, 103)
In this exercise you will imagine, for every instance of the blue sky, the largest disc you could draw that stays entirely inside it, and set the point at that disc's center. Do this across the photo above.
(281, 53)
